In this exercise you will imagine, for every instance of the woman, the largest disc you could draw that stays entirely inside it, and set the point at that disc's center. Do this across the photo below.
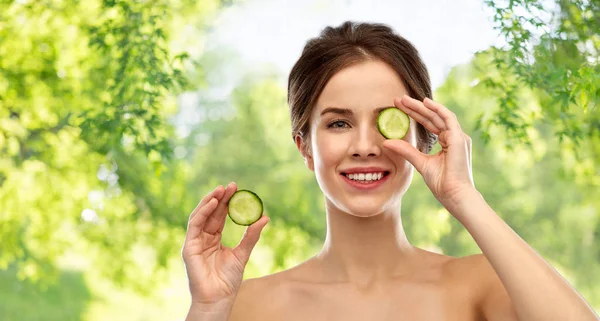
(367, 269)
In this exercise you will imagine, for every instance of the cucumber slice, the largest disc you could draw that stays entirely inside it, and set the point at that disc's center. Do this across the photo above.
(393, 123)
(245, 207)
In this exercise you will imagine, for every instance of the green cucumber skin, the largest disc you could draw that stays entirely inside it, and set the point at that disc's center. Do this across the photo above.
(255, 196)
(383, 131)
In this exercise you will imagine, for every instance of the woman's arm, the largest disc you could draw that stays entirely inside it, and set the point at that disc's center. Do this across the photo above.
(210, 312)
(536, 290)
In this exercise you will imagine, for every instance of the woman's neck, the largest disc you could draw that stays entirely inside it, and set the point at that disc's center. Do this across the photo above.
(364, 250)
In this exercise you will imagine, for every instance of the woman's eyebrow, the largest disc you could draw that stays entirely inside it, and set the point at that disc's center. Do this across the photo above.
(337, 110)
(346, 111)
(380, 109)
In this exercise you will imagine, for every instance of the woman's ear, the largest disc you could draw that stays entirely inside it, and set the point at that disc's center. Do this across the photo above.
(304, 149)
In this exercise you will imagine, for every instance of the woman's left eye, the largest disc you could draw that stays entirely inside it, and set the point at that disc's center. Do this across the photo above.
(338, 124)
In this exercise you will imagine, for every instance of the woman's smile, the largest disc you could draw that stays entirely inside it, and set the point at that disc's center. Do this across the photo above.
(365, 178)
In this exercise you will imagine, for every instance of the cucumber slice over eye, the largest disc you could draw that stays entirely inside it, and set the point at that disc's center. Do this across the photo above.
(245, 207)
(393, 123)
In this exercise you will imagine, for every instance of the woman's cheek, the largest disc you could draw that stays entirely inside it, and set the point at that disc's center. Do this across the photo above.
(331, 148)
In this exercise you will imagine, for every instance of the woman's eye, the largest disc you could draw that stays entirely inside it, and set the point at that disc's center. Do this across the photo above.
(338, 124)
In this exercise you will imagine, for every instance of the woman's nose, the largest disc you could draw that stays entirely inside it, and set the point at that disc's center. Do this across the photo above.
(367, 142)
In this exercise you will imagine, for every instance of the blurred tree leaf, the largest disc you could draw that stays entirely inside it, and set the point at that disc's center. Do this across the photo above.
(553, 48)
(87, 89)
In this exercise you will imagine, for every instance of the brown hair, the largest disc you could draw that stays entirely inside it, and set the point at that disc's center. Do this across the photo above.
(350, 43)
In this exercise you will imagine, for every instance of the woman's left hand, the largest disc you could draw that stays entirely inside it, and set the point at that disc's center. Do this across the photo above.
(448, 173)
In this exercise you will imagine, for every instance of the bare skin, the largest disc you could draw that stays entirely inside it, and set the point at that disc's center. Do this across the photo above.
(431, 287)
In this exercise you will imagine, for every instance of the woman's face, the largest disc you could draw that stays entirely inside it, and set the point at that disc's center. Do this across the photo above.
(355, 172)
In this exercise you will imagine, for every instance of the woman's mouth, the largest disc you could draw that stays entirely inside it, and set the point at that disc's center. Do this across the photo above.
(368, 180)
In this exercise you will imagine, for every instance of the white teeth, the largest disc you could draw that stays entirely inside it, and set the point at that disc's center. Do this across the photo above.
(365, 177)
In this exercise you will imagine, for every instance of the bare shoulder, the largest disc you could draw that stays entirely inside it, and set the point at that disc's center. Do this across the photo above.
(489, 294)
(261, 298)
(254, 298)
(473, 270)
(493, 299)
(469, 262)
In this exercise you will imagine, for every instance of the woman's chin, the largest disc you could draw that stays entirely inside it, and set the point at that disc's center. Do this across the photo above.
(365, 213)
(366, 208)
(363, 204)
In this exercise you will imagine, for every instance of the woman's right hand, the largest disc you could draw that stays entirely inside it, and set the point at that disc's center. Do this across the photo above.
(215, 271)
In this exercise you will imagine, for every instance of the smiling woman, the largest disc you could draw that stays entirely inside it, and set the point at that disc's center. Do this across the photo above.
(367, 269)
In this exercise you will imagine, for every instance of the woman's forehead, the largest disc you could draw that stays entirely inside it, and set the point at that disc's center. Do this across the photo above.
(365, 86)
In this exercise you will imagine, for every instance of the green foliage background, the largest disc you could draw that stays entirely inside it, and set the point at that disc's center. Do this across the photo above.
(110, 134)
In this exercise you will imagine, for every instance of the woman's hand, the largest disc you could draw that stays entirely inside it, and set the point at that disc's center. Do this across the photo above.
(448, 173)
(215, 271)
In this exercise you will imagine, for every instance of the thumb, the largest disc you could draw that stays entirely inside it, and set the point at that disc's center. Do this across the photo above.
(243, 250)
(408, 151)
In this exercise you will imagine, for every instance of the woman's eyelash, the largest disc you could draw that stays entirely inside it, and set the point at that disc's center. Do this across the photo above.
(338, 123)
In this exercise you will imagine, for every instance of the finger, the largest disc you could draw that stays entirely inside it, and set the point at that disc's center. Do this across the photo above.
(195, 224)
(216, 193)
(408, 151)
(449, 118)
(216, 222)
(243, 250)
(416, 116)
(428, 118)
